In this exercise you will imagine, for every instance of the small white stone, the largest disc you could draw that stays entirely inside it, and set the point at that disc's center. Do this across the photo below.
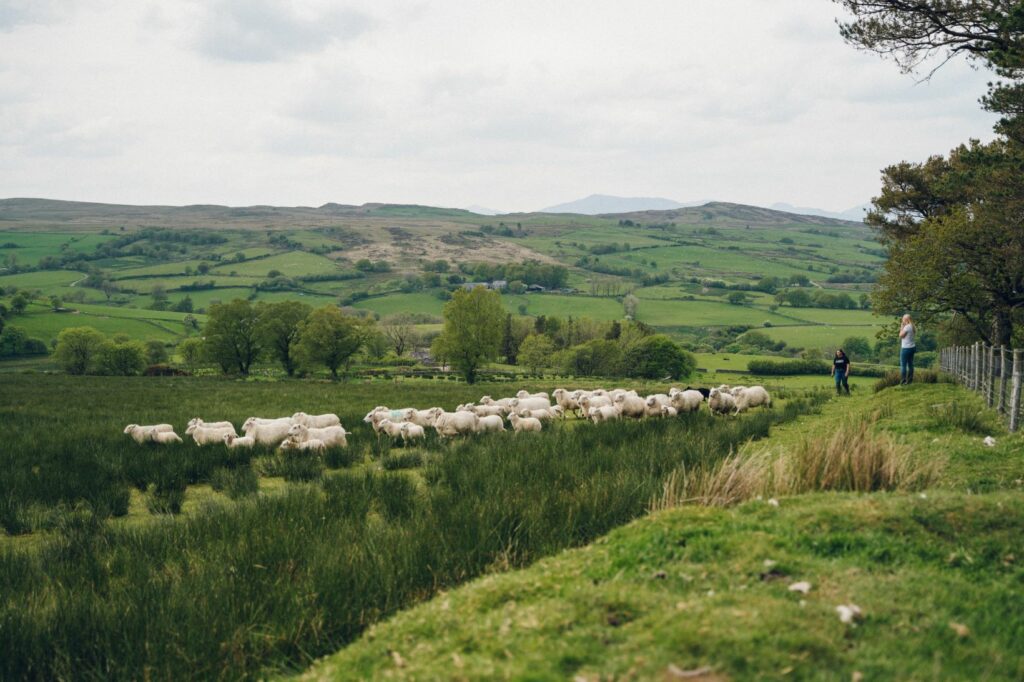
(923, 496)
(848, 613)
(803, 587)
(989, 441)
(773, 502)
(770, 563)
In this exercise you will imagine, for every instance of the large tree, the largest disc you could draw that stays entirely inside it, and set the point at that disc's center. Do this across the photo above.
(472, 330)
(231, 338)
(278, 330)
(330, 338)
(78, 349)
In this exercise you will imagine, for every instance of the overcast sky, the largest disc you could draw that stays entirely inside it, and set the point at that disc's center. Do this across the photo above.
(515, 104)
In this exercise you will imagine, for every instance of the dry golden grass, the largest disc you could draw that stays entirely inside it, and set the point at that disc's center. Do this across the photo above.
(854, 457)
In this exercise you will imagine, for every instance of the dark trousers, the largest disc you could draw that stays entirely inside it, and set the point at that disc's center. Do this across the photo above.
(907, 365)
(842, 381)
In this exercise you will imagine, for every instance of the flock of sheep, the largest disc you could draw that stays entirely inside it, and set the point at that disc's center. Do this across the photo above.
(525, 412)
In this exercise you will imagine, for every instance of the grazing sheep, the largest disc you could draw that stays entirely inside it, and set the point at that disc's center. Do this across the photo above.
(687, 401)
(631, 406)
(542, 415)
(313, 444)
(557, 412)
(253, 422)
(616, 392)
(331, 435)
(233, 441)
(655, 402)
(196, 421)
(490, 423)
(205, 435)
(316, 421)
(721, 402)
(503, 402)
(488, 410)
(527, 394)
(141, 434)
(604, 413)
(736, 390)
(271, 433)
(382, 411)
(525, 423)
(569, 402)
(590, 402)
(753, 396)
(669, 411)
(420, 417)
(451, 424)
(390, 428)
(533, 403)
(412, 431)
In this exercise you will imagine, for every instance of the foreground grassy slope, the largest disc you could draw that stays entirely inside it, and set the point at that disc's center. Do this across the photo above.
(937, 575)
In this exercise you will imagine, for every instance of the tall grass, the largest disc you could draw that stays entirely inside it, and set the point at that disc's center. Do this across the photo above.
(854, 457)
(273, 581)
(957, 415)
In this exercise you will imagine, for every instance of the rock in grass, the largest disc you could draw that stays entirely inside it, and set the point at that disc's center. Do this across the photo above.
(849, 613)
(803, 587)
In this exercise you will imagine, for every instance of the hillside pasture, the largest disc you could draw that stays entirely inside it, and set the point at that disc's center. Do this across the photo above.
(290, 264)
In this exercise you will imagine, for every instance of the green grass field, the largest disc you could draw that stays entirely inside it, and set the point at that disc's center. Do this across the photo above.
(41, 322)
(291, 264)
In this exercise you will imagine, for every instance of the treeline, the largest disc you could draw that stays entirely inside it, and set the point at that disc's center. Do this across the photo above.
(547, 275)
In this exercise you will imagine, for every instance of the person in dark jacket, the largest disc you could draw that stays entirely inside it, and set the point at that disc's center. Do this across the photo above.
(841, 372)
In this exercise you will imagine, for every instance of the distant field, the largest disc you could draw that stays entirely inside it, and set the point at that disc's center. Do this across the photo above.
(42, 323)
(403, 303)
(45, 280)
(31, 246)
(291, 264)
(820, 336)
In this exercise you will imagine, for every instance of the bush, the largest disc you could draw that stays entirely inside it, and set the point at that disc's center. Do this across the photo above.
(962, 417)
(236, 483)
(402, 460)
(788, 367)
(164, 371)
(659, 357)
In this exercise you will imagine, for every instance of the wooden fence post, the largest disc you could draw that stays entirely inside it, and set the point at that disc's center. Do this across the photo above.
(990, 375)
(976, 368)
(1018, 370)
(1001, 403)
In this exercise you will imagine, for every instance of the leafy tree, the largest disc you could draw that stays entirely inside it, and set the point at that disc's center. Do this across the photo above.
(472, 330)
(597, 357)
(159, 295)
(400, 333)
(55, 303)
(659, 357)
(122, 357)
(330, 338)
(19, 303)
(857, 347)
(12, 341)
(738, 298)
(278, 330)
(203, 268)
(185, 305)
(156, 352)
(629, 306)
(78, 349)
(231, 334)
(535, 353)
(191, 352)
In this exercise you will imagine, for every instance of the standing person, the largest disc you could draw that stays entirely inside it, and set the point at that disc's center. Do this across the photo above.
(907, 349)
(841, 372)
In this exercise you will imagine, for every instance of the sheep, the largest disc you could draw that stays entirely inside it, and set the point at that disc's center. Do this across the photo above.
(592, 401)
(331, 435)
(668, 411)
(527, 394)
(504, 402)
(421, 417)
(533, 403)
(314, 444)
(141, 434)
(253, 422)
(271, 433)
(196, 421)
(488, 423)
(721, 402)
(451, 424)
(520, 424)
(233, 441)
(616, 392)
(488, 410)
(655, 402)
(390, 428)
(557, 412)
(382, 411)
(603, 414)
(205, 435)
(687, 401)
(736, 390)
(631, 406)
(753, 396)
(565, 400)
(317, 421)
(412, 431)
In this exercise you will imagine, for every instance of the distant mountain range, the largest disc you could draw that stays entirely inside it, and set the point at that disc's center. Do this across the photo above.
(604, 204)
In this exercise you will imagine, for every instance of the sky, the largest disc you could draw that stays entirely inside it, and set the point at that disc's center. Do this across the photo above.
(510, 104)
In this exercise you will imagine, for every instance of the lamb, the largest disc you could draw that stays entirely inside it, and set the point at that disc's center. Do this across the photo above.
(527, 394)
(687, 401)
(412, 431)
(421, 417)
(313, 444)
(489, 423)
(542, 415)
(567, 401)
(557, 412)
(233, 441)
(488, 410)
(331, 435)
(655, 402)
(390, 428)
(252, 422)
(530, 404)
(721, 402)
(736, 390)
(271, 433)
(317, 421)
(753, 396)
(141, 434)
(631, 406)
(592, 401)
(520, 424)
(504, 402)
(668, 411)
(205, 435)
(196, 421)
(603, 414)
(451, 424)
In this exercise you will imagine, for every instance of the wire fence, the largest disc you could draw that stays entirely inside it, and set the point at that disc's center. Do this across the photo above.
(995, 373)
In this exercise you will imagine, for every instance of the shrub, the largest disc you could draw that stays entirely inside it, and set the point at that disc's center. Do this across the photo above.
(164, 371)
(402, 460)
(658, 357)
(236, 483)
(960, 416)
(788, 367)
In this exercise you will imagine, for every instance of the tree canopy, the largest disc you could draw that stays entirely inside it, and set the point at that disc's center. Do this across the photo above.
(473, 330)
(231, 335)
(330, 338)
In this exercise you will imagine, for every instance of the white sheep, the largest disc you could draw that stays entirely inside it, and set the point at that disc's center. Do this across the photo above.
(233, 441)
(252, 422)
(165, 437)
(736, 390)
(654, 403)
(490, 423)
(271, 433)
(526, 394)
(569, 402)
(196, 421)
(589, 402)
(752, 396)
(669, 411)
(525, 423)
(332, 436)
(542, 415)
(488, 410)
(313, 444)
(603, 414)
(687, 401)
(532, 403)
(451, 424)
(721, 402)
(206, 435)
(141, 434)
(412, 431)
(390, 428)
(421, 417)
(504, 402)
(316, 421)
(631, 406)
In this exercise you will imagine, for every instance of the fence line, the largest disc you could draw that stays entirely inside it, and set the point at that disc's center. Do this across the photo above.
(996, 373)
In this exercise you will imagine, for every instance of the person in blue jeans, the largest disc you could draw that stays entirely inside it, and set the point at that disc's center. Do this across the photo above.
(841, 372)
(907, 349)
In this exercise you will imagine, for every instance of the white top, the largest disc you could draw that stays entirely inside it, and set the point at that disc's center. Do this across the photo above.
(908, 337)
